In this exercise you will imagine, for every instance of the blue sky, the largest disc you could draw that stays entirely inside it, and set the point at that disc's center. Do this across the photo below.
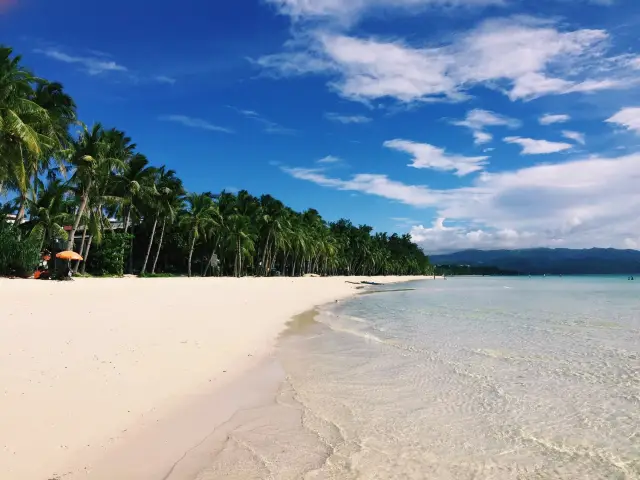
(469, 123)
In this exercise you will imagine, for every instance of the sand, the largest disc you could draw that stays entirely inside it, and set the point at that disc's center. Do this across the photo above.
(91, 370)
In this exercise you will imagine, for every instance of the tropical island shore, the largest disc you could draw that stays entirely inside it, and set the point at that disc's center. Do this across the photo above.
(86, 364)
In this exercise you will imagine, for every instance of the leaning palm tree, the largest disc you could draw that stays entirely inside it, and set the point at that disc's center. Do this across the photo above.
(173, 206)
(85, 156)
(198, 218)
(167, 186)
(137, 190)
(240, 239)
(92, 155)
(27, 133)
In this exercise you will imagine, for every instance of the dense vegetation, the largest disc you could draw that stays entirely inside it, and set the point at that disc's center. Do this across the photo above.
(65, 174)
(482, 270)
(559, 261)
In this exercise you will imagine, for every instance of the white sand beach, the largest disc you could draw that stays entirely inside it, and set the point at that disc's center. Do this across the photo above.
(85, 366)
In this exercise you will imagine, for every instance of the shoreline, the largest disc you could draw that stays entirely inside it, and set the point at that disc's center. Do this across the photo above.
(89, 376)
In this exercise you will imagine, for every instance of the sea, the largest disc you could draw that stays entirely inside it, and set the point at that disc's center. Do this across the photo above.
(468, 378)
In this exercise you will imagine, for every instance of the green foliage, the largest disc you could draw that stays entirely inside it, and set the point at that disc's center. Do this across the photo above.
(18, 258)
(108, 258)
(117, 209)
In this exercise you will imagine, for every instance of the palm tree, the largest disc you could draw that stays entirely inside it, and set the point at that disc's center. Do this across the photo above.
(167, 187)
(136, 188)
(174, 205)
(273, 223)
(48, 213)
(109, 176)
(200, 216)
(27, 132)
(240, 238)
(86, 155)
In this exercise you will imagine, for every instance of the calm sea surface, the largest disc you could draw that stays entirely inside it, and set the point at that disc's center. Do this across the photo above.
(469, 378)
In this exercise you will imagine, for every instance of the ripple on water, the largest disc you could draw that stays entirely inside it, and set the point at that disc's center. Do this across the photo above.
(472, 381)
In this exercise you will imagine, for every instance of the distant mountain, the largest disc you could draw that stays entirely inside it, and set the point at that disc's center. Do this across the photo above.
(537, 261)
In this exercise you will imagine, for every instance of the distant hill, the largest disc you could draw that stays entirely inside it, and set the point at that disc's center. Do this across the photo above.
(538, 261)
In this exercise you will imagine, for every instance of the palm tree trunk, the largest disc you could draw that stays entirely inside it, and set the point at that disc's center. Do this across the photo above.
(23, 198)
(22, 209)
(215, 247)
(155, 261)
(235, 261)
(86, 254)
(131, 251)
(153, 234)
(193, 246)
(127, 220)
(239, 258)
(84, 239)
(264, 253)
(79, 214)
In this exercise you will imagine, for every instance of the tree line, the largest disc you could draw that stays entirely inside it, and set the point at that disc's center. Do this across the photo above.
(93, 181)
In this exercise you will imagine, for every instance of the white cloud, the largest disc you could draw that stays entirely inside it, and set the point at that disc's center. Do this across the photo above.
(164, 79)
(429, 156)
(195, 123)
(443, 239)
(270, 126)
(522, 57)
(583, 203)
(477, 120)
(346, 119)
(329, 159)
(480, 138)
(99, 63)
(372, 184)
(634, 62)
(550, 119)
(95, 65)
(629, 118)
(531, 146)
(577, 137)
(348, 11)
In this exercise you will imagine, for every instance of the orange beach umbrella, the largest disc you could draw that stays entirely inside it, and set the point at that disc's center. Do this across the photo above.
(69, 255)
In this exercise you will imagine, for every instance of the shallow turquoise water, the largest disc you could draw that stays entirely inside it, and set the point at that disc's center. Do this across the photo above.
(469, 378)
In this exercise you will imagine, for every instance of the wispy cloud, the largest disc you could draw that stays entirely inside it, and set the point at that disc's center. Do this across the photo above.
(518, 56)
(575, 205)
(549, 119)
(346, 119)
(577, 137)
(347, 12)
(628, 118)
(192, 122)
(94, 65)
(268, 125)
(432, 157)
(531, 146)
(164, 79)
(477, 120)
(328, 160)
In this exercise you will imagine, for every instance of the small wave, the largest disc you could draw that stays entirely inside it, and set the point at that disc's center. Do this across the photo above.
(588, 453)
(357, 333)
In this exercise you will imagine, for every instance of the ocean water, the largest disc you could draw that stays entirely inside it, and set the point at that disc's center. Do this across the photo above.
(469, 378)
